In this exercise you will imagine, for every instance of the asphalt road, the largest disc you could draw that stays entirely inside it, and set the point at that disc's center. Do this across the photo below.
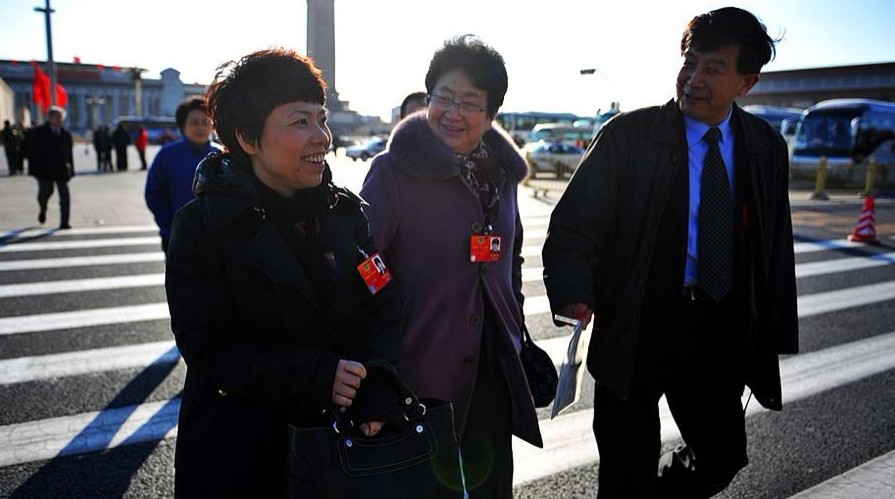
(89, 385)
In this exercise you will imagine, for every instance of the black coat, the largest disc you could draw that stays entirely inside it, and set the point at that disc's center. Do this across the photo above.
(259, 349)
(50, 157)
(606, 228)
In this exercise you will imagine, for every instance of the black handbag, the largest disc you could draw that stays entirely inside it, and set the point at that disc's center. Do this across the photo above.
(419, 460)
(539, 370)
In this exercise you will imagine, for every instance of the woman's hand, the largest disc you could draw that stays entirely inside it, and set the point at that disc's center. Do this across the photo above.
(348, 377)
(371, 428)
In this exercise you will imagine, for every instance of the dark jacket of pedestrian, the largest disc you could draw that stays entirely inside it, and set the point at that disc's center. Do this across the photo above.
(621, 207)
(262, 320)
(422, 214)
(50, 156)
(121, 139)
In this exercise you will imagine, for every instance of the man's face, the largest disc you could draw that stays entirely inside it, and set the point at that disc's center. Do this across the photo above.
(709, 82)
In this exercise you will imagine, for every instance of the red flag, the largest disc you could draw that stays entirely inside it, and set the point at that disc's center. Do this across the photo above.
(61, 95)
(41, 88)
(77, 60)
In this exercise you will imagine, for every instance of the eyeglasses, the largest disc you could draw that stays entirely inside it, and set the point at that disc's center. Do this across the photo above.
(466, 109)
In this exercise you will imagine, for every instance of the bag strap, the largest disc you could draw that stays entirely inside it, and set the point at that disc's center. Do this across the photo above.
(410, 404)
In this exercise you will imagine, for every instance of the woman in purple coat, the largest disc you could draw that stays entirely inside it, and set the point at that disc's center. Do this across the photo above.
(442, 198)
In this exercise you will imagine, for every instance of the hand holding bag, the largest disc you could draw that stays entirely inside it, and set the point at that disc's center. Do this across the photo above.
(539, 370)
(420, 460)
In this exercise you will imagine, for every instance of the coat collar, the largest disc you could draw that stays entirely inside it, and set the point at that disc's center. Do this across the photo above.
(417, 152)
(668, 128)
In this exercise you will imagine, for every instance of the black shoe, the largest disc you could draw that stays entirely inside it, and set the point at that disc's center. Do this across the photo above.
(64, 226)
(42, 217)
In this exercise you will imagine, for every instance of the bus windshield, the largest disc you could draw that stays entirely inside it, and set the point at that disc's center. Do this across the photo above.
(827, 132)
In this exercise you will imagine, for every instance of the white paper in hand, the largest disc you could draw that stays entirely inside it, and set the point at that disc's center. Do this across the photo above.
(568, 389)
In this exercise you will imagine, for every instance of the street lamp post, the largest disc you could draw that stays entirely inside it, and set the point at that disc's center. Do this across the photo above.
(47, 11)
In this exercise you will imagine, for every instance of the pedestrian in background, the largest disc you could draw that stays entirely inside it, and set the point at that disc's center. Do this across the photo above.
(51, 162)
(268, 307)
(414, 102)
(169, 183)
(121, 138)
(675, 237)
(140, 142)
(442, 191)
(13, 138)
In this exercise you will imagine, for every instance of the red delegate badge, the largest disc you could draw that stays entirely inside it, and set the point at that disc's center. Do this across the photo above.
(484, 248)
(374, 272)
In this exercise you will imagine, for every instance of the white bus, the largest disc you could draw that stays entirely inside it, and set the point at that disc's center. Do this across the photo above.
(847, 132)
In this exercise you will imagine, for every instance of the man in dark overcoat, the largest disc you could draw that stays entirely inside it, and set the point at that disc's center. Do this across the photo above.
(50, 161)
(675, 237)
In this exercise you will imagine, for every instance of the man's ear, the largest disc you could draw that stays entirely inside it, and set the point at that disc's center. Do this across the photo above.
(249, 147)
(749, 81)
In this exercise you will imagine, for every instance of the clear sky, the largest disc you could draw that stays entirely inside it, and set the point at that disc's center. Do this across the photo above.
(383, 47)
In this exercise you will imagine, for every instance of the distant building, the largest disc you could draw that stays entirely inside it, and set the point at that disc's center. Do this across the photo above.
(100, 94)
(802, 88)
(97, 93)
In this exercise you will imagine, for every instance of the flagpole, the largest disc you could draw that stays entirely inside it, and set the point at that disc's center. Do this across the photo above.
(47, 11)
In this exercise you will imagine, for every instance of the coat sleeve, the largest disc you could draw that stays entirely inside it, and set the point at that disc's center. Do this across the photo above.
(518, 260)
(581, 222)
(212, 338)
(156, 194)
(782, 269)
(381, 191)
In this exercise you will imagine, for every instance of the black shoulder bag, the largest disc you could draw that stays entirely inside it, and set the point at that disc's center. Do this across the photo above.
(539, 370)
(418, 460)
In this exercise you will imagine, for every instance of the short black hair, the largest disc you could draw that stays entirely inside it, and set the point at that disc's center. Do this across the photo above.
(186, 107)
(245, 92)
(415, 96)
(731, 26)
(482, 64)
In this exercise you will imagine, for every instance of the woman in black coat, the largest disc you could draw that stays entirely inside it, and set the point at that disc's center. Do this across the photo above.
(268, 306)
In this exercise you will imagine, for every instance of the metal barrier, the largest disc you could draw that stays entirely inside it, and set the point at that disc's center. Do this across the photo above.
(866, 177)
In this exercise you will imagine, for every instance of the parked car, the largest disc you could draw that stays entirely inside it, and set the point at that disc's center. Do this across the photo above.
(553, 157)
(366, 150)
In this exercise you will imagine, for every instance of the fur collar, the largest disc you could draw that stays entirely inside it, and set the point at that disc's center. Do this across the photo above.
(417, 152)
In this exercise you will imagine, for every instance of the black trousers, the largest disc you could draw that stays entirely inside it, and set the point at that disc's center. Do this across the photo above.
(486, 444)
(698, 371)
(45, 190)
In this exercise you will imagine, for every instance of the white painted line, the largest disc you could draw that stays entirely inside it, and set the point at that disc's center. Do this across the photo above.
(92, 431)
(83, 318)
(831, 301)
(844, 264)
(813, 247)
(569, 441)
(82, 244)
(808, 305)
(530, 274)
(828, 245)
(81, 285)
(36, 368)
(568, 438)
(77, 231)
(82, 261)
(872, 480)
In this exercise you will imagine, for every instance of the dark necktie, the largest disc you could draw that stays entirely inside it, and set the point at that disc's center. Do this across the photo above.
(715, 238)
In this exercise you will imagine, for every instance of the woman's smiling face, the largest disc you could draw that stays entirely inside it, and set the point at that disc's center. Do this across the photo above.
(290, 153)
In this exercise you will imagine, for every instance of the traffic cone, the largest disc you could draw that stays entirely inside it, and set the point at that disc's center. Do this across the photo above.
(865, 229)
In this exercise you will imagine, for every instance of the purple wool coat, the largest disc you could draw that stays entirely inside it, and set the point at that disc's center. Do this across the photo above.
(422, 215)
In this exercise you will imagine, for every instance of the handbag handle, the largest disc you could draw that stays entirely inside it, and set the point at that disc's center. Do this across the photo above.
(413, 409)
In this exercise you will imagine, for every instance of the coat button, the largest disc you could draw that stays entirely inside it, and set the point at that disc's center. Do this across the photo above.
(474, 319)
(222, 393)
(468, 359)
(477, 227)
